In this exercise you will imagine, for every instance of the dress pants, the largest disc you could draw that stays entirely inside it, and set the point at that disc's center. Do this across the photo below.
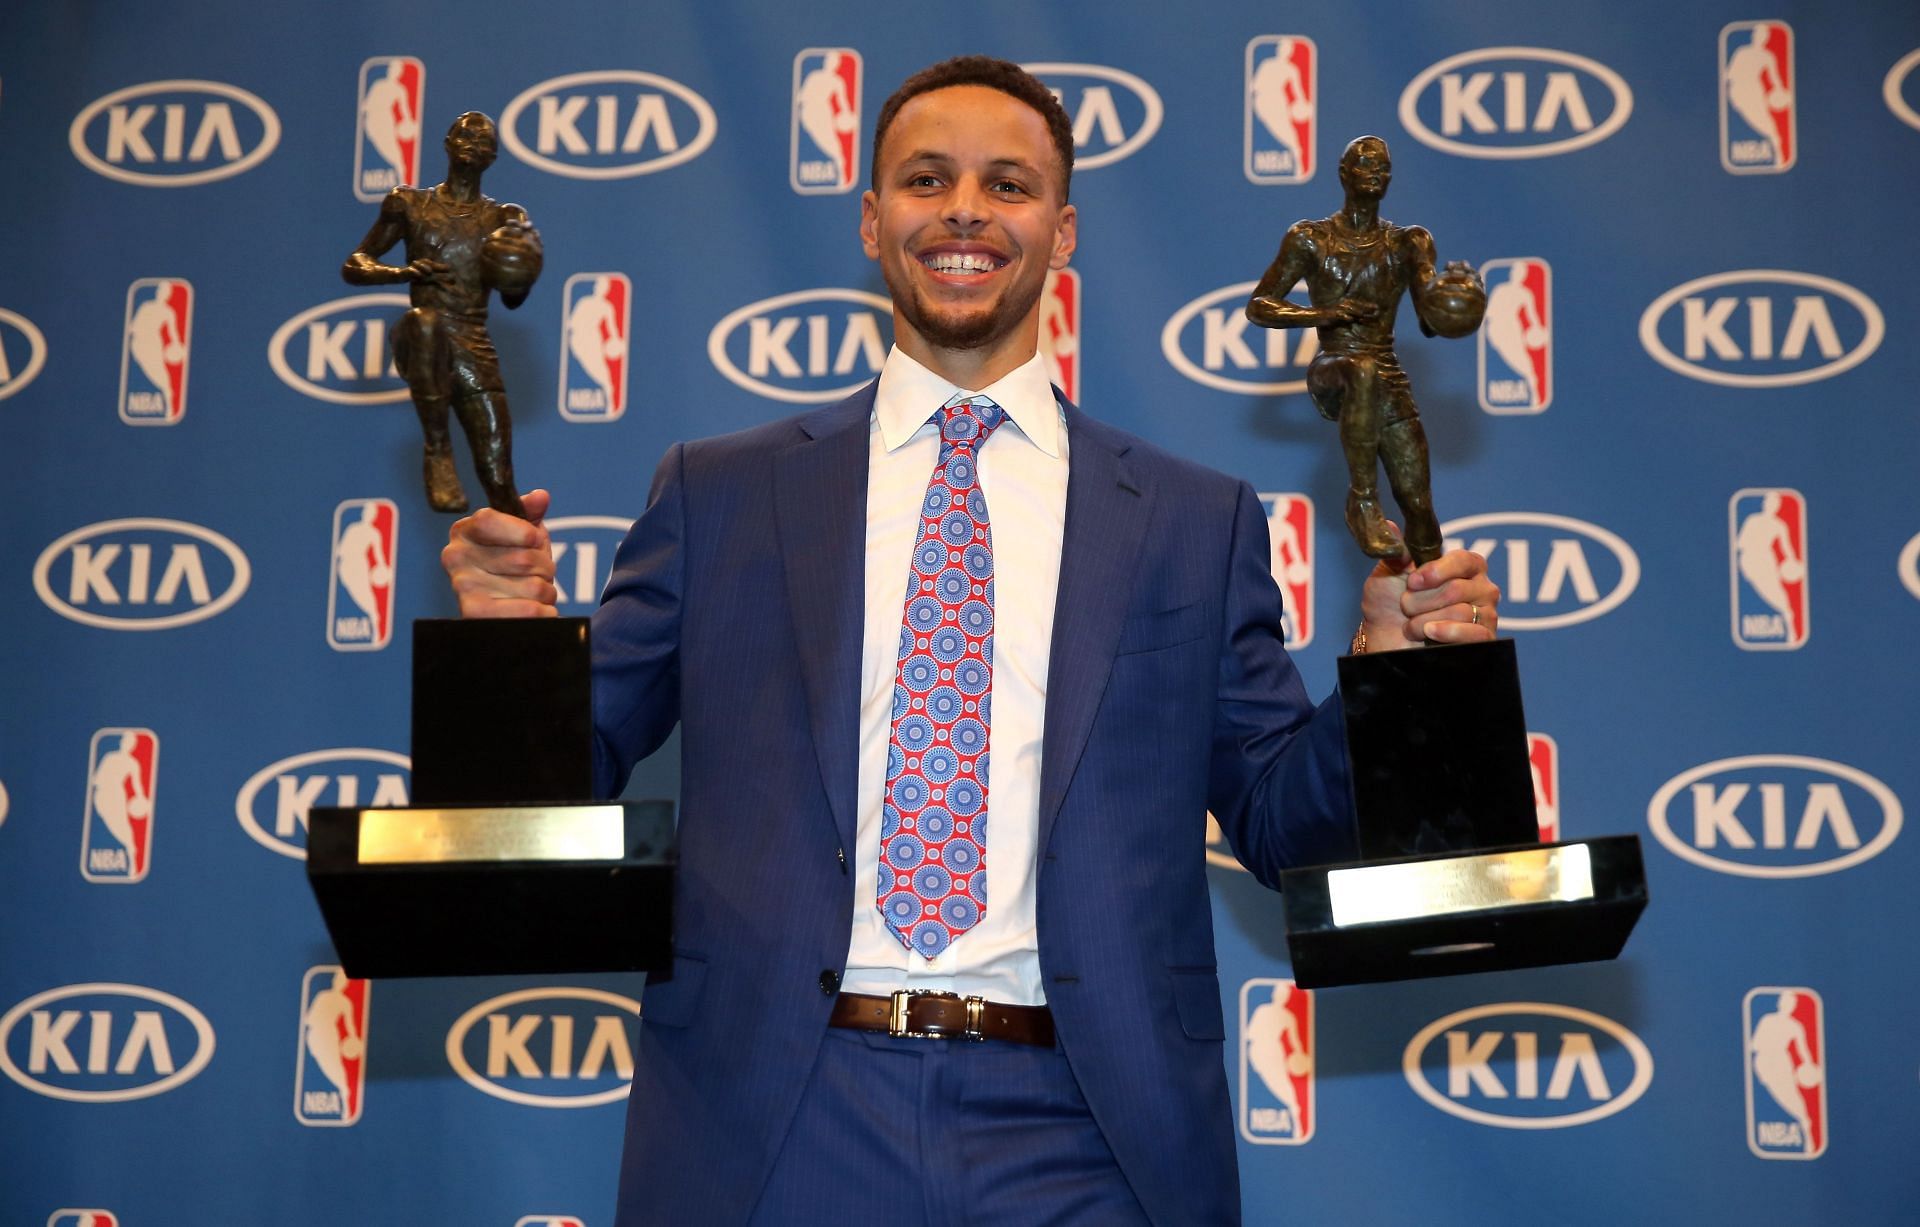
(944, 1133)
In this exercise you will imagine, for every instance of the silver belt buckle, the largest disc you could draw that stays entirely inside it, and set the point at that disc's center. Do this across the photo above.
(897, 1015)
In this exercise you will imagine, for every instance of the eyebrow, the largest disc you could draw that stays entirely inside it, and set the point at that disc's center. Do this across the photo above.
(933, 155)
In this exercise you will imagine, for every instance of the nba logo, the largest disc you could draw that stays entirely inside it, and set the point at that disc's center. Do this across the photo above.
(1060, 331)
(1290, 530)
(360, 587)
(826, 121)
(548, 1220)
(153, 355)
(1786, 1045)
(1516, 344)
(1282, 84)
(1277, 1043)
(1543, 759)
(386, 143)
(329, 1082)
(1758, 120)
(116, 836)
(83, 1218)
(593, 371)
(1768, 530)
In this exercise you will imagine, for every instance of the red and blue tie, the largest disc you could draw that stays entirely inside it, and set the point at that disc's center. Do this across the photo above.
(933, 821)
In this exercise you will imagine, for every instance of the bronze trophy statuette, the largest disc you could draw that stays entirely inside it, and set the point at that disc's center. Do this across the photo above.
(500, 865)
(1453, 878)
(1356, 267)
(461, 246)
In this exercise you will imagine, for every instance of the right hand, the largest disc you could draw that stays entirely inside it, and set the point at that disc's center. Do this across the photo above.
(429, 272)
(1355, 311)
(502, 566)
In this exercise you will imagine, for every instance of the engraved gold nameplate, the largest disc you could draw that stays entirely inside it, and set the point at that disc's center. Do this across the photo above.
(1373, 894)
(501, 833)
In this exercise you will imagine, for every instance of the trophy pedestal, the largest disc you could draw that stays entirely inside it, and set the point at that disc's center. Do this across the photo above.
(1452, 878)
(1452, 914)
(487, 873)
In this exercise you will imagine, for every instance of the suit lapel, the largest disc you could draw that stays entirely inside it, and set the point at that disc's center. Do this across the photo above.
(1108, 504)
(820, 509)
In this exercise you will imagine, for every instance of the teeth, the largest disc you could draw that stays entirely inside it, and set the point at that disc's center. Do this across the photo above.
(948, 262)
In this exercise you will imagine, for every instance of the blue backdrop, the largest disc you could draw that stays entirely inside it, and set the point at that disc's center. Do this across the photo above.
(1685, 431)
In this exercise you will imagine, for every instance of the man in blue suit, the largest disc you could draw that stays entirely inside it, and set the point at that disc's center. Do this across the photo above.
(884, 1006)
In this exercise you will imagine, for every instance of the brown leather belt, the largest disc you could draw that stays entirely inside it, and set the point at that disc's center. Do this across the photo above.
(944, 1016)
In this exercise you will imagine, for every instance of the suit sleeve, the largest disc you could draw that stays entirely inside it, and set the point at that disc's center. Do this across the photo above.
(1278, 784)
(636, 634)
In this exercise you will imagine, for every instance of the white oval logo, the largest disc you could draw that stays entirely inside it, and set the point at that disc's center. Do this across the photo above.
(174, 133)
(1515, 102)
(1211, 341)
(157, 572)
(274, 802)
(1537, 1067)
(1894, 89)
(583, 550)
(339, 350)
(612, 124)
(1107, 126)
(1909, 565)
(23, 351)
(104, 1051)
(1775, 816)
(810, 347)
(1777, 338)
(556, 1036)
(1549, 572)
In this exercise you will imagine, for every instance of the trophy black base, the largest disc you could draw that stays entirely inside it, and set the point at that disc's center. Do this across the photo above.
(1452, 914)
(496, 890)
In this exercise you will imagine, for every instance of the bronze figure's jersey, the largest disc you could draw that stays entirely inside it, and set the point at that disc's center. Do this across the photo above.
(441, 229)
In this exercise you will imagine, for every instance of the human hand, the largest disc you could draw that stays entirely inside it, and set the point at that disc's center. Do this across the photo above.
(1448, 600)
(502, 566)
(1354, 311)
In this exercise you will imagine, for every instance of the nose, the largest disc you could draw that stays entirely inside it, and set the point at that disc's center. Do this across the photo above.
(966, 204)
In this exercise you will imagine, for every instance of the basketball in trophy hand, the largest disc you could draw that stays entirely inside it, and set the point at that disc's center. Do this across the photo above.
(1455, 301)
(510, 258)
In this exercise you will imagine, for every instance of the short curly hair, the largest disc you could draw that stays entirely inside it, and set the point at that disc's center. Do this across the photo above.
(1003, 75)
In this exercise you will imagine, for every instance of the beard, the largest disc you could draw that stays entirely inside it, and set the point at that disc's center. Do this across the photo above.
(976, 329)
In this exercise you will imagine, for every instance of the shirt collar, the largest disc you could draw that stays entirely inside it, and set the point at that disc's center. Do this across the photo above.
(910, 394)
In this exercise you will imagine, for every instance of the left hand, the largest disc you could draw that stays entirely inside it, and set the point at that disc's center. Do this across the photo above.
(1449, 600)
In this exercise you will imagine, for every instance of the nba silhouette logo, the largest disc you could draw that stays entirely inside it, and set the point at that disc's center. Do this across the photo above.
(330, 1081)
(386, 143)
(1277, 1045)
(594, 311)
(83, 1218)
(826, 121)
(1759, 126)
(1768, 532)
(1282, 87)
(549, 1220)
(1516, 342)
(1543, 760)
(1786, 1061)
(153, 354)
(1060, 331)
(1290, 534)
(116, 834)
(360, 586)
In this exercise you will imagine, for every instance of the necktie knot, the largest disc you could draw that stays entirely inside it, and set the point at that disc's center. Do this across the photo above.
(968, 422)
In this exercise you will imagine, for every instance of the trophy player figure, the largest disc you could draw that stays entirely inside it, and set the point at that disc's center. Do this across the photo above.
(1356, 267)
(460, 246)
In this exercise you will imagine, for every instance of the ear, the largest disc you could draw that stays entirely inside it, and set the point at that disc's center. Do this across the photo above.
(870, 224)
(1066, 236)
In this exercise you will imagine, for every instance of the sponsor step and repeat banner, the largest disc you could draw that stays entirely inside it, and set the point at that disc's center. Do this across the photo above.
(1684, 439)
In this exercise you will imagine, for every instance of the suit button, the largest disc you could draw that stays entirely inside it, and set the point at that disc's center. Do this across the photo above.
(829, 982)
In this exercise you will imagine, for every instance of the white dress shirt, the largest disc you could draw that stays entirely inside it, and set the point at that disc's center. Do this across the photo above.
(1023, 474)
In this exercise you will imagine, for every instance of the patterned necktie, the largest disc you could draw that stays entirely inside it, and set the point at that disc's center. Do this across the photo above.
(933, 821)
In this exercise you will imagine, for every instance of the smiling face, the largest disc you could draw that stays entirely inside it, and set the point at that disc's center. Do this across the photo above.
(967, 217)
